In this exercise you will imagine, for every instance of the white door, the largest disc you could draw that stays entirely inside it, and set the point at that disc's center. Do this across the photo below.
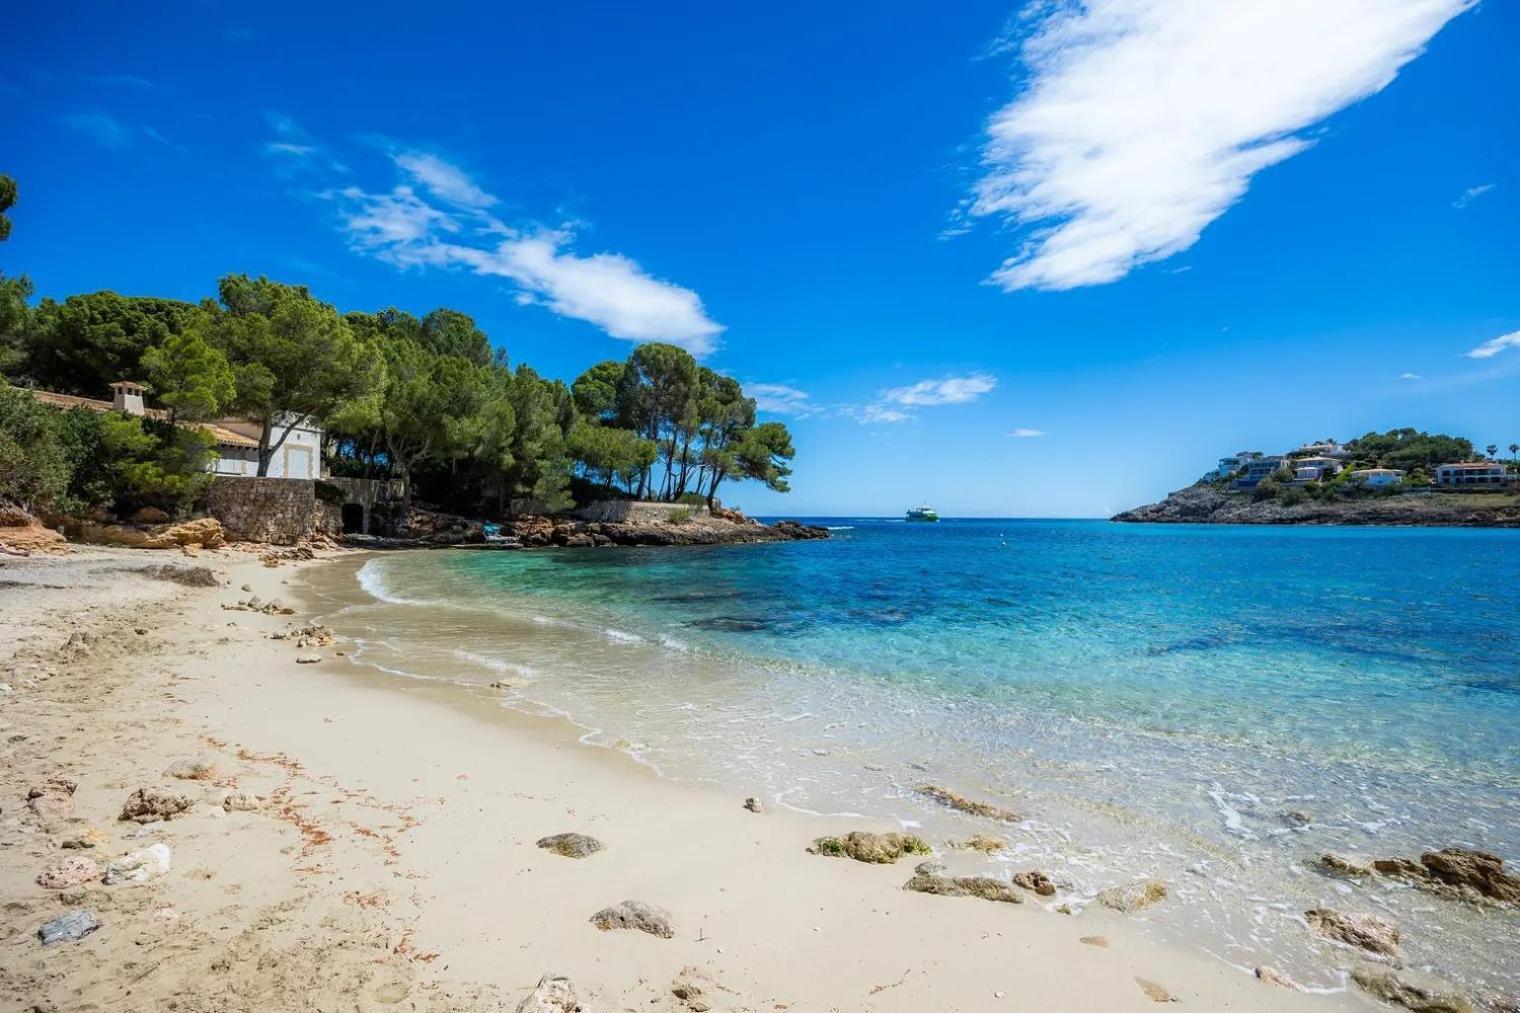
(297, 462)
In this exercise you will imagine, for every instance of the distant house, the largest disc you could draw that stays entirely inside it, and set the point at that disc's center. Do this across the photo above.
(1228, 466)
(1259, 470)
(1376, 477)
(1312, 469)
(237, 440)
(1474, 473)
(1328, 448)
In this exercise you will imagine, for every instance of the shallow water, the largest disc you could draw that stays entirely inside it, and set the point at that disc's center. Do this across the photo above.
(1154, 699)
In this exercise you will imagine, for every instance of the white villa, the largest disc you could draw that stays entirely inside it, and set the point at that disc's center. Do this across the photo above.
(1312, 469)
(1228, 466)
(1376, 477)
(1474, 473)
(237, 440)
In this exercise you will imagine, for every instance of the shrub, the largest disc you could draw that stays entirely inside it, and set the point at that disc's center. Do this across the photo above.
(329, 493)
(679, 516)
(33, 468)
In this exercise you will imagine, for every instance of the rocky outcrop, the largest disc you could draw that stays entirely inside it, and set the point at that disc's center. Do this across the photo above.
(1410, 989)
(1133, 897)
(635, 915)
(553, 994)
(1036, 882)
(206, 532)
(971, 807)
(1365, 931)
(539, 532)
(864, 846)
(930, 878)
(1208, 504)
(571, 845)
(21, 534)
(1474, 876)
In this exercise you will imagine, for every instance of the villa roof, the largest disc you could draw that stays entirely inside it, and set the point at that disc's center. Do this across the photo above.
(1378, 471)
(220, 430)
(1466, 465)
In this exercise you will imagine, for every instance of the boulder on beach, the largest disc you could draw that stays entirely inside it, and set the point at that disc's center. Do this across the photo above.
(241, 801)
(553, 994)
(139, 866)
(53, 798)
(67, 873)
(865, 846)
(636, 915)
(753, 804)
(191, 770)
(147, 805)
(571, 845)
(1036, 882)
(1366, 931)
(960, 803)
(68, 928)
(1476, 876)
(1133, 897)
(1410, 989)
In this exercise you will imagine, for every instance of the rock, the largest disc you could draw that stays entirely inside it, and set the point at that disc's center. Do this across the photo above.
(1477, 870)
(960, 803)
(239, 801)
(1135, 897)
(864, 846)
(69, 928)
(308, 659)
(571, 845)
(54, 798)
(146, 805)
(552, 994)
(1340, 865)
(247, 587)
(984, 887)
(204, 531)
(985, 843)
(1154, 992)
(1101, 942)
(635, 914)
(70, 872)
(1273, 976)
(753, 804)
(1410, 989)
(189, 576)
(192, 770)
(1367, 931)
(1295, 817)
(139, 866)
(149, 515)
(1035, 881)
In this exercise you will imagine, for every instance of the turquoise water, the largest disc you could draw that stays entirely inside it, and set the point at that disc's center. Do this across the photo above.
(1155, 699)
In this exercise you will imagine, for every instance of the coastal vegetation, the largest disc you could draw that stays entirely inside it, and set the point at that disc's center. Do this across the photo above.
(429, 401)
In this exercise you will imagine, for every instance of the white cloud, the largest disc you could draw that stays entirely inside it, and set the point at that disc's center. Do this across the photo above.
(1494, 346)
(443, 180)
(1410, 376)
(1025, 434)
(1142, 121)
(103, 128)
(289, 148)
(781, 399)
(874, 413)
(950, 390)
(1471, 194)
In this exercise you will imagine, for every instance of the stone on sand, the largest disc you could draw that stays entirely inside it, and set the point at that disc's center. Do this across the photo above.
(1134, 897)
(1366, 931)
(753, 804)
(637, 915)
(240, 801)
(553, 994)
(54, 798)
(69, 872)
(68, 928)
(985, 887)
(865, 846)
(146, 805)
(1035, 881)
(192, 770)
(571, 845)
(960, 803)
(138, 866)
(1101, 942)
(1410, 989)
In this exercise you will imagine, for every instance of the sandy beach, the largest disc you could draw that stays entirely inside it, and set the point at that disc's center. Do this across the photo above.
(355, 841)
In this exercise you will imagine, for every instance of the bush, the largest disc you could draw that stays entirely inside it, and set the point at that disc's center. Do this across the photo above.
(329, 493)
(679, 516)
(34, 470)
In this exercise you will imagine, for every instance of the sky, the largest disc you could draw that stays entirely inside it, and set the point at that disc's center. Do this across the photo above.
(1038, 260)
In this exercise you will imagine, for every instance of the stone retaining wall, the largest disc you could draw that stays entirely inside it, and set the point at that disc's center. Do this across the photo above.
(281, 511)
(628, 511)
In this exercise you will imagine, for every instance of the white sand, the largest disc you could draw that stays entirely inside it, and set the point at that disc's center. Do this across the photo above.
(396, 865)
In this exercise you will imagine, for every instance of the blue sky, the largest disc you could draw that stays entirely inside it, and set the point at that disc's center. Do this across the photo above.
(1038, 261)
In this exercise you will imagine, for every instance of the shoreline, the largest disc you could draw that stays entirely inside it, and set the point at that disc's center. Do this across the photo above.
(406, 839)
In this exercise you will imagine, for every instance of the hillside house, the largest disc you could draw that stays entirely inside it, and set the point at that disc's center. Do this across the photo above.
(1482, 474)
(1376, 477)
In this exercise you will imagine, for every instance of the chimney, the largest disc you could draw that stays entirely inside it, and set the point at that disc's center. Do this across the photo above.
(128, 397)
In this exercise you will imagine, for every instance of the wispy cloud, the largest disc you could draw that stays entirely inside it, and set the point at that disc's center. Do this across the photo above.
(407, 228)
(1494, 346)
(872, 414)
(1142, 121)
(950, 390)
(1471, 194)
(1410, 376)
(781, 399)
(443, 180)
(103, 128)
(294, 151)
(1026, 434)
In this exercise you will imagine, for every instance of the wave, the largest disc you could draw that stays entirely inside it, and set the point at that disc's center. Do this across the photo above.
(840, 527)
(372, 580)
(498, 665)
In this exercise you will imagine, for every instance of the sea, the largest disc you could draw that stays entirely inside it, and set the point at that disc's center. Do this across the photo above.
(1214, 706)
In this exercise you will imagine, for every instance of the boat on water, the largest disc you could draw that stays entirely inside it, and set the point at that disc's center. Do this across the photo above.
(923, 513)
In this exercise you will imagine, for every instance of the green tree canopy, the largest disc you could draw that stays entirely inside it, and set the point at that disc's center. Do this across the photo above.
(87, 342)
(7, 201)
(189, 376)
